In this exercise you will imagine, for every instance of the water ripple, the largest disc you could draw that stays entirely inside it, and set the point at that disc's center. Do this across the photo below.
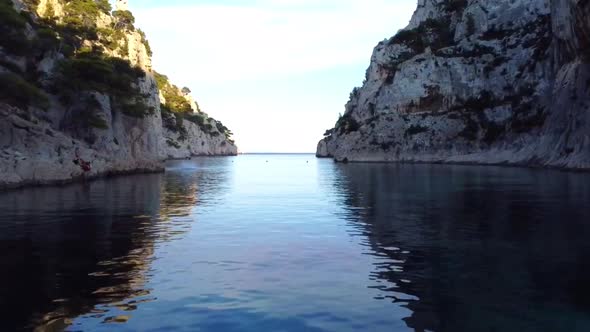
(238, 244)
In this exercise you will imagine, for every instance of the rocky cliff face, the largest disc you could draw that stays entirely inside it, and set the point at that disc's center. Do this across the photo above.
(188, 131)
(491, 82)
(76, 81)
(197, 141)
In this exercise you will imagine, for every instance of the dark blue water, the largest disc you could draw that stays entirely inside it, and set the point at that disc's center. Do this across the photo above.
(291, 243)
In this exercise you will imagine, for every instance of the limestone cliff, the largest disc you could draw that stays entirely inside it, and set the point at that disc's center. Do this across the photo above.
(76, 81)
(188, 131)
(473, 81)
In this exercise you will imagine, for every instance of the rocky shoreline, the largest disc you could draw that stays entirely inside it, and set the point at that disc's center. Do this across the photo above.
(478, 82)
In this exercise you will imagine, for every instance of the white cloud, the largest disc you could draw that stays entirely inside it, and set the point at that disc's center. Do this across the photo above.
(223, 43)
(217, 49)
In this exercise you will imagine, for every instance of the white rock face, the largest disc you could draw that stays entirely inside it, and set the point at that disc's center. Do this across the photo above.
(137, 52)
(195, 133)
(196, 143)
(491, 82)
(32, 152)
(39, 147)
(195, 140)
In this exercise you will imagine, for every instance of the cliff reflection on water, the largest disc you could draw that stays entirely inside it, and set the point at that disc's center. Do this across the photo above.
(480, 248)
(85, 249)
(290, 243)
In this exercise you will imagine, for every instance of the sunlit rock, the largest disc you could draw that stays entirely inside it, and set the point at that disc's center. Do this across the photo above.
(492, 82)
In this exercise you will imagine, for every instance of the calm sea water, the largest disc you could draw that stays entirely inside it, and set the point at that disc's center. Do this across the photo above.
(291, 243)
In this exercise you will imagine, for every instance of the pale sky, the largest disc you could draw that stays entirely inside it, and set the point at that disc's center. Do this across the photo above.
(276, 72)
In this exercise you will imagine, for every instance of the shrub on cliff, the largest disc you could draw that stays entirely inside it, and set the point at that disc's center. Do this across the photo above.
(16, 91)
(433, 33)
(175, 102)
(124, 19)
(410, 38)
(13, 37)
(223, 129)
(347, 124)
(97, 73)
(12, 29)
(196, 118)
(173, 122)
(112, 76)
(104, 6)
(455, 5)
(134, 107)
(46, 40)
(81, 13)
(161, 80)
(145, 42)
(80, 20)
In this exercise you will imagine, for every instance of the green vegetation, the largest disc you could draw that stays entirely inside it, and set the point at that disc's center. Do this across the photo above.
(173, 122)
(112, 76)
(46, 40)
(346, 124)
(84, 69)
(97, 73)
(12, 29)
(224, 130)
(145, 42)
(104, 6)
(124, 19)
(177, 104)
(79, 21)
(410, 38)
(455, 5)
(199, 119)
(114, 39)
(432, 33)
(16, 91)
(12, 33)
(80, 24)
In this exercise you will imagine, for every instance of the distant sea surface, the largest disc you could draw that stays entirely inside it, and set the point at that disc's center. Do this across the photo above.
(291, 243)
